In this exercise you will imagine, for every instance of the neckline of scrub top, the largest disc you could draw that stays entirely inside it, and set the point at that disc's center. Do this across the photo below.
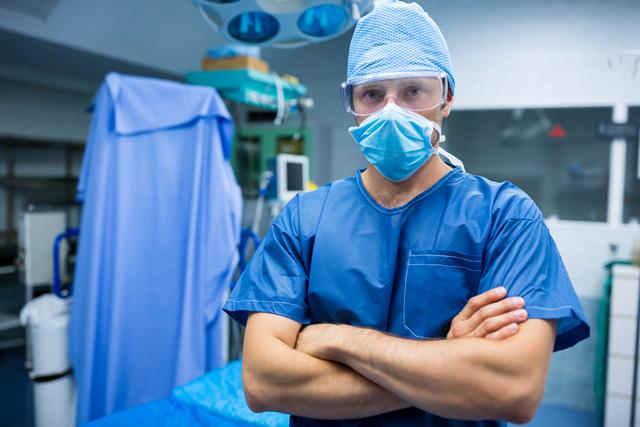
(425, 193)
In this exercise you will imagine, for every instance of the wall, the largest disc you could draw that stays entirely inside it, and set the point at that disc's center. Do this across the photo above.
(543, 53)
(38, 106)
(567, 176)
(38, 112)
(586, 247)
(507, 54)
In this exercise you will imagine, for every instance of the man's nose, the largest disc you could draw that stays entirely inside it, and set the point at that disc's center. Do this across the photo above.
(390, 99)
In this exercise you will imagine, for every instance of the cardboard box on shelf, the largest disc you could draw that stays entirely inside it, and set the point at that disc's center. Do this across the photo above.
(235, 62)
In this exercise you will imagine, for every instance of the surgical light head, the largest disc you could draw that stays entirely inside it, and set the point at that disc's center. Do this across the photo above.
(281, 23)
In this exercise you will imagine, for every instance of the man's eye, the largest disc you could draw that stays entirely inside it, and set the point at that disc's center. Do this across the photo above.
(372, 94)
(414, 91)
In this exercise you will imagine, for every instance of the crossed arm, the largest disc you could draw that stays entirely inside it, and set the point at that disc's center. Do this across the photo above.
(340, 372)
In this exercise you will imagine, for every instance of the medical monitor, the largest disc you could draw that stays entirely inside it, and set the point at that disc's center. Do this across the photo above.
(292, 172)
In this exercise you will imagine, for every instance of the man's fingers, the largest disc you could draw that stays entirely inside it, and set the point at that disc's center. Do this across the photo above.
(476, 303)
(496, 323)
(495, 309)
(504, 332)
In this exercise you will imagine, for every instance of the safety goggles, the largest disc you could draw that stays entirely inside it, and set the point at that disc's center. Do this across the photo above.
(414, 92)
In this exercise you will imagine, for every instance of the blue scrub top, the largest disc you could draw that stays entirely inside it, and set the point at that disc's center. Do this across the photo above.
(337, 256)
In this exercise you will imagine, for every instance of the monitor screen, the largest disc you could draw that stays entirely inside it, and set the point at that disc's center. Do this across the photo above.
(294, 176)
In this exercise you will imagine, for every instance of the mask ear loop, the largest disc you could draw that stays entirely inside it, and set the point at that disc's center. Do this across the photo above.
(438, 128)
(452, 159)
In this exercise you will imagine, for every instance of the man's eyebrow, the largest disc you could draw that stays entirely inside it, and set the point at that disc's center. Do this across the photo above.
(370, 85)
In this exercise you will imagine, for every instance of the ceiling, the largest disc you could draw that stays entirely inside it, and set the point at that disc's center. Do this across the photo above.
(19, 52)
(82, 39)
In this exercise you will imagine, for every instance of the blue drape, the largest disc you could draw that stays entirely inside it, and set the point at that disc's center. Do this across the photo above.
(158, 238)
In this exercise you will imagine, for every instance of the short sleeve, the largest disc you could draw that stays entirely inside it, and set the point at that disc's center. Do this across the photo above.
(275, 280)
(523, 258)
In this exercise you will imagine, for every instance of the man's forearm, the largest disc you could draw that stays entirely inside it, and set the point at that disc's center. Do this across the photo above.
(462, 379)
(279, 378)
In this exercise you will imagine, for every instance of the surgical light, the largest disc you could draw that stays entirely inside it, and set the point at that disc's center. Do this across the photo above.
(323, 21)
(281, 23)
(253, 27)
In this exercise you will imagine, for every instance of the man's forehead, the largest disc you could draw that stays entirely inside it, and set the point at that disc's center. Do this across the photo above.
(420, 81)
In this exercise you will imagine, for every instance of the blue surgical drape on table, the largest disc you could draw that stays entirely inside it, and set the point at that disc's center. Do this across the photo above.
(158, 238)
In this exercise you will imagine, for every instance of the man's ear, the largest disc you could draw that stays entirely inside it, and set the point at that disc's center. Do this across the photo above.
(435, 144)
(446, 107)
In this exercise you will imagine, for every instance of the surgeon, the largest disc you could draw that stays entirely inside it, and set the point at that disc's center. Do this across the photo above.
(413, 293)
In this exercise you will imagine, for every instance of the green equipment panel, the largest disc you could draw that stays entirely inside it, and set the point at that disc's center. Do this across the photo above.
(250, 87)
(254, 147)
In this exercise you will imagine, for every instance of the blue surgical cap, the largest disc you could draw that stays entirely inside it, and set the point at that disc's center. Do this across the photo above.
(397, 37)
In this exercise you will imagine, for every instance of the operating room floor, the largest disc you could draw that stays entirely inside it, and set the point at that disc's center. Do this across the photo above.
(562, 416)
(16, 392)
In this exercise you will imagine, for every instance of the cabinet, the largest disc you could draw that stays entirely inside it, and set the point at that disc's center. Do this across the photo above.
(620, 357)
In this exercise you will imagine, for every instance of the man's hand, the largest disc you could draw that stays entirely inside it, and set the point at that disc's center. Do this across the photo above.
(316, 340)
(489, 315)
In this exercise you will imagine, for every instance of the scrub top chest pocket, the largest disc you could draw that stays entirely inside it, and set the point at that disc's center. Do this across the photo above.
(436, 287)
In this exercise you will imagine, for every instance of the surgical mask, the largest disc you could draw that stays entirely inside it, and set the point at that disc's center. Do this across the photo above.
(396, 141)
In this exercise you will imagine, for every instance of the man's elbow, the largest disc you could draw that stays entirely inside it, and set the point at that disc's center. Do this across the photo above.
(522, 415)
(254, 393)
(522, 402)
